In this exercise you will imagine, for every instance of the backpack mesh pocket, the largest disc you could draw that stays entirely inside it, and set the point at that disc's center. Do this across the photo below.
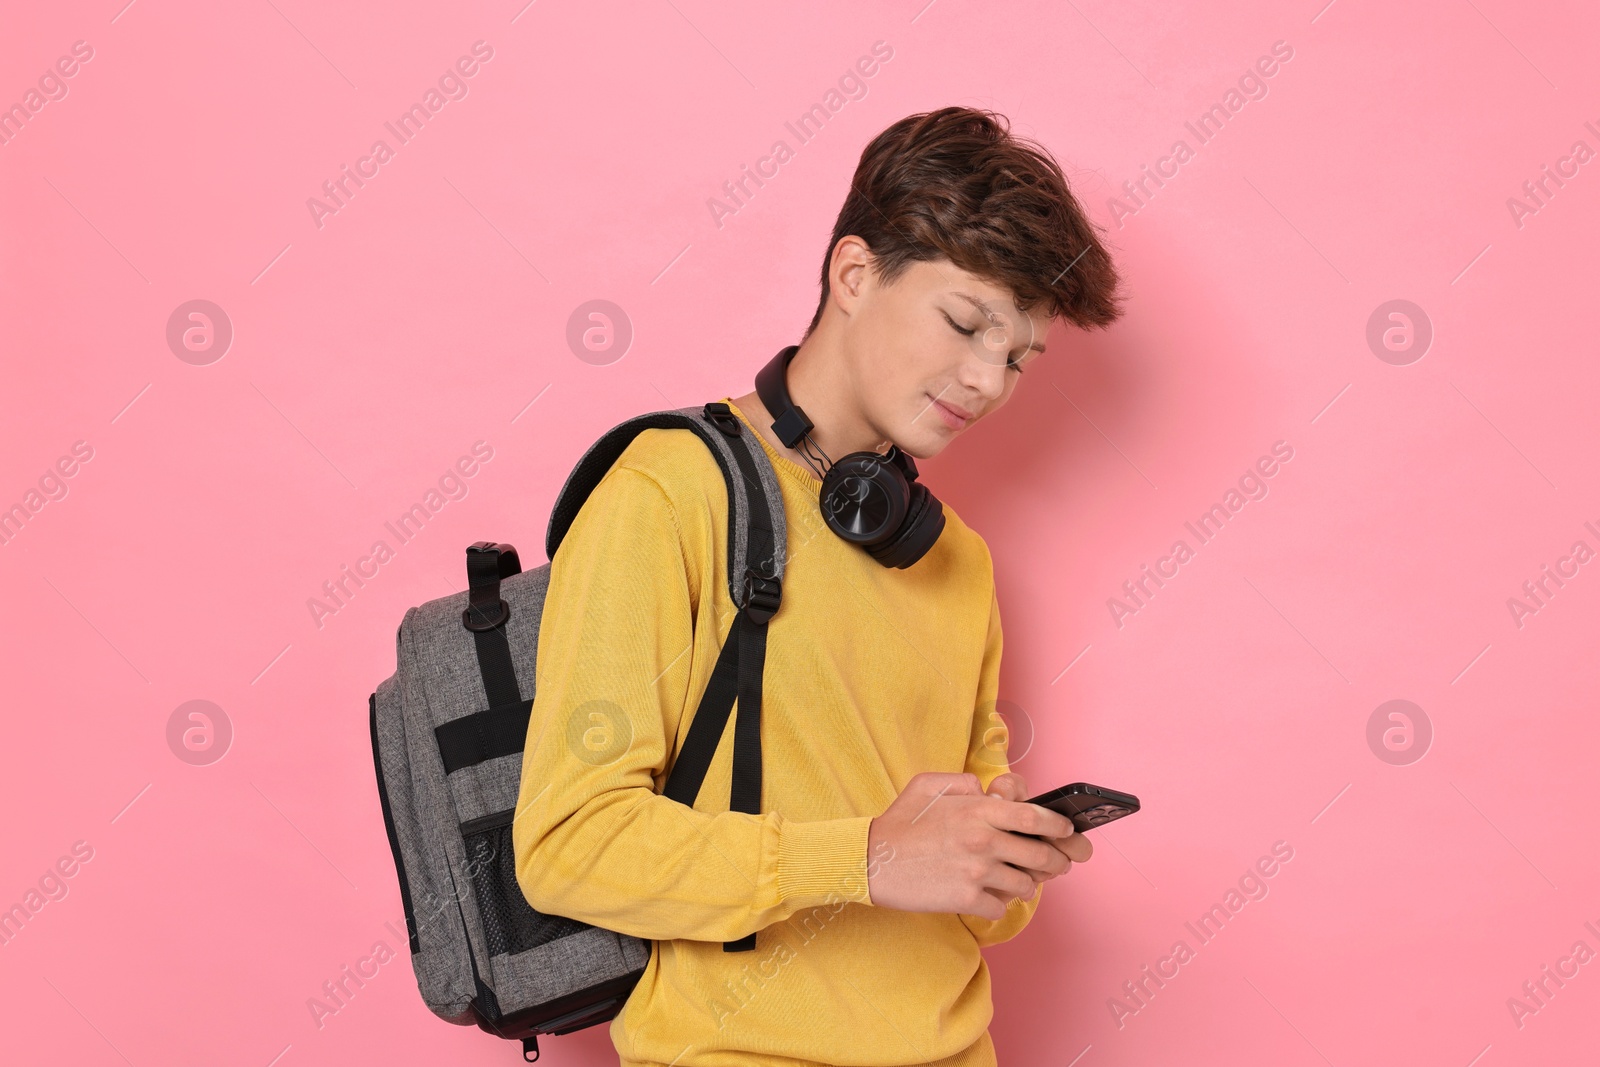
(510, 923)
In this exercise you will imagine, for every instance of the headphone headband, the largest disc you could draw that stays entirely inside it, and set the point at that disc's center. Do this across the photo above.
(788, 421)
(791, 423)
(868, 498)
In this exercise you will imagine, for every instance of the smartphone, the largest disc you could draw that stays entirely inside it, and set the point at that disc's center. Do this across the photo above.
(1086, 805)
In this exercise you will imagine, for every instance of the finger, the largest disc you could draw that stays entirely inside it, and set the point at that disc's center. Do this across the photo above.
(1043, 876)
(1006, 881)
(1010, 786)
(1076, 847)
(1007, 898)
(1065, 867)
(1042, 858)
(996, 902)
(1000, 787)
(936, 783)
(1040, 876)
(1025, 818)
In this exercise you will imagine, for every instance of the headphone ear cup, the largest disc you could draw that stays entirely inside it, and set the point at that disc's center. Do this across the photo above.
(864, 500)
(922, 526)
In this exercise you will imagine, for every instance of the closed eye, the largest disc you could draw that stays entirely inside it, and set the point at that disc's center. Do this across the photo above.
(1011, 364)
(958, 329)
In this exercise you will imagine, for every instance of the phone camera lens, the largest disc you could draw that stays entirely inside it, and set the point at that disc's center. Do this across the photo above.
(1102, 814)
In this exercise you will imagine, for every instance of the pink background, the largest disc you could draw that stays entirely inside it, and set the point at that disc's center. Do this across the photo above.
(431, 311)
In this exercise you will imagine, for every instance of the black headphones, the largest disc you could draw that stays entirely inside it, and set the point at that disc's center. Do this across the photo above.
(870, 499)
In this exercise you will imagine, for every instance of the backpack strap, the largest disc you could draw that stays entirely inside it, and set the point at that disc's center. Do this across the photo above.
(755, 504)
(502, 728)
(757, 547)
(486, 615)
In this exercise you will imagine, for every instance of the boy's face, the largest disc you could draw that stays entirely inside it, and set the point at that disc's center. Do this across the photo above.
(932, 346)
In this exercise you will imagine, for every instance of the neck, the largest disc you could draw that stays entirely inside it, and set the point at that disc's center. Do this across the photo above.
(819, 384)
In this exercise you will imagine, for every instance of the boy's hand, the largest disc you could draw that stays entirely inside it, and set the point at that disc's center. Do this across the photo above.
(1074, 846)
(949, 850)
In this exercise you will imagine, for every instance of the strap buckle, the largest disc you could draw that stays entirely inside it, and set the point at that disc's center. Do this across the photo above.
(488, 562)
(723, 418)
(478, 621)
(762, 595)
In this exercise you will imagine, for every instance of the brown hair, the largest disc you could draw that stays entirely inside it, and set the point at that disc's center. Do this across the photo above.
(956, 184)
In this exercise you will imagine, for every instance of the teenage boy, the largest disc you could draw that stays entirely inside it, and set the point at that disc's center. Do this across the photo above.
(881, 861)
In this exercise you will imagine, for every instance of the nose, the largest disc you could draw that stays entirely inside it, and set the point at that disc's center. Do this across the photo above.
(984, 371)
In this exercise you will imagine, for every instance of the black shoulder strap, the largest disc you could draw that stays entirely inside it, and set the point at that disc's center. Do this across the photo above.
(486, 615)
(738, 673)
(756, 558)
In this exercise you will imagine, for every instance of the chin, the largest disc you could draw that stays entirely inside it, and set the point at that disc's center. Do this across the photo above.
(920, 444)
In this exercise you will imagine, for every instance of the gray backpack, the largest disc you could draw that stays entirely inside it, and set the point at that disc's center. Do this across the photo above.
(448, 729)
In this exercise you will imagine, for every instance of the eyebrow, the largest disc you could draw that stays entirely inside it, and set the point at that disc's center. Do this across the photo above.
(988, 312)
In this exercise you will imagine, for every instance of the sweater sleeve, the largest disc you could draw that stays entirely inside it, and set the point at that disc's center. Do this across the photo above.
(594, 840)
(987, 757)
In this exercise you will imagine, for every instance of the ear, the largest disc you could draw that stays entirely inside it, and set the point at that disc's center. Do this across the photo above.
(849, 273)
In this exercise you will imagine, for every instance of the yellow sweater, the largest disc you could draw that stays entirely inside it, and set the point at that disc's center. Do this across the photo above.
(872, 675)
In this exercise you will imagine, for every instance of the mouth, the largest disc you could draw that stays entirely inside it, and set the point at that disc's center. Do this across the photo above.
(954, 417)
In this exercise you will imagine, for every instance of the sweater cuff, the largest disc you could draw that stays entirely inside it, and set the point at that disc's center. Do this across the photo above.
(822, 862)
